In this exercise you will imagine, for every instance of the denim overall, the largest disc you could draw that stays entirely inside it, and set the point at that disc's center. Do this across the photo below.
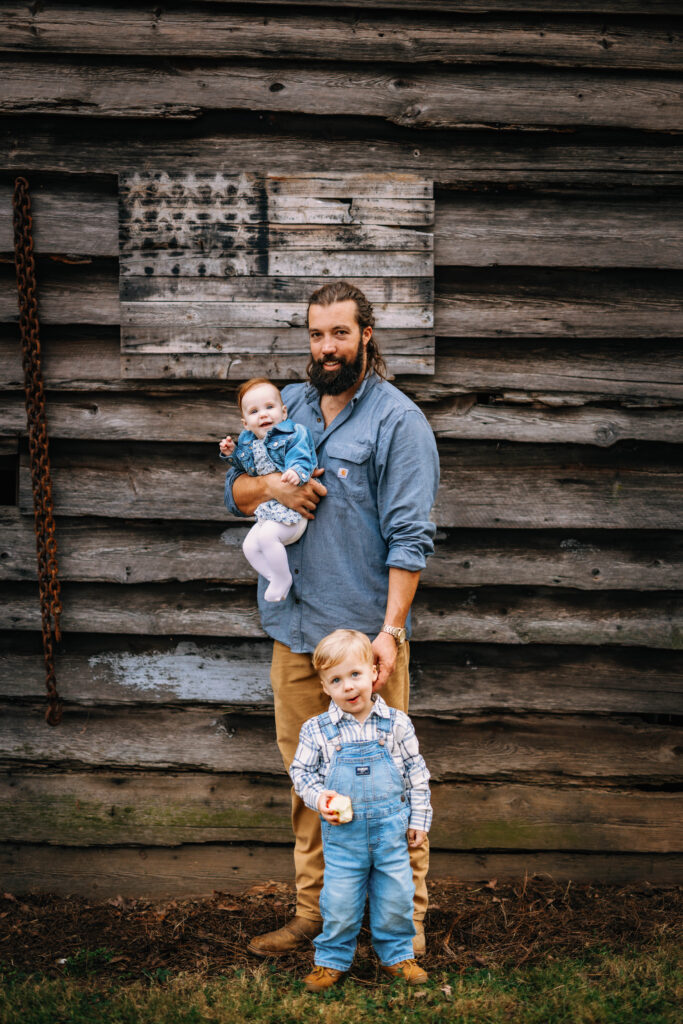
(368, 855)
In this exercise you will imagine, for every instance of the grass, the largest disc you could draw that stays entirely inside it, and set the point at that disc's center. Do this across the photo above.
(602, 987)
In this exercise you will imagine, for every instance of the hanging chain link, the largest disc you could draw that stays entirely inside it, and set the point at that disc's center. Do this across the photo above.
(46, 544)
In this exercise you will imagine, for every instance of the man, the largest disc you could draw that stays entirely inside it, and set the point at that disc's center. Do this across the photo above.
(357, 565)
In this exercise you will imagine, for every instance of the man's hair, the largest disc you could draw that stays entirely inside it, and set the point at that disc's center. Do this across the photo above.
(248, 385)
(342, 291)
(336, 646)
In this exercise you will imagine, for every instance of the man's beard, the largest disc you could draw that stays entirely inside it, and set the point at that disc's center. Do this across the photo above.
(333, 382)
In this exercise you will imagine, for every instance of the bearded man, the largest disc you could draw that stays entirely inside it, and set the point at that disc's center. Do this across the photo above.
(357, 565)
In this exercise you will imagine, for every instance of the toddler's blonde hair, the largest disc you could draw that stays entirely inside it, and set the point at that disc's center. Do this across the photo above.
(336, 646)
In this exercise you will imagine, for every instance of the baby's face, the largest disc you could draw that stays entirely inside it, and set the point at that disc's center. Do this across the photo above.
(262, 408)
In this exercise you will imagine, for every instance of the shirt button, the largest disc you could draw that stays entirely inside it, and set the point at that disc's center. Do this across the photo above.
(319, 420)
(296, 572)
(403, 799)
(297, 600)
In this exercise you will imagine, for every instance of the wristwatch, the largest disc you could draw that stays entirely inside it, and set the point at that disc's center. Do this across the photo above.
(398, 633)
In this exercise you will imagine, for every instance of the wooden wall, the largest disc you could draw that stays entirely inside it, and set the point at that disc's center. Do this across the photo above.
(547, 684)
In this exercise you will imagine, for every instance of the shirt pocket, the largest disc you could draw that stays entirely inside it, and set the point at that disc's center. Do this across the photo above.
(347, 469)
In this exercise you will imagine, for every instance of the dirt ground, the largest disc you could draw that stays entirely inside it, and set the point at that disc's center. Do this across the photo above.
(468, 925)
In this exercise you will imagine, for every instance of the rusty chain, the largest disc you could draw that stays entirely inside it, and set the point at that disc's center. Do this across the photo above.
(41, 481)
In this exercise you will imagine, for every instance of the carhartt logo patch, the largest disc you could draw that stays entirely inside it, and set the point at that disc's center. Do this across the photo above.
(363, 769)
(342, 472)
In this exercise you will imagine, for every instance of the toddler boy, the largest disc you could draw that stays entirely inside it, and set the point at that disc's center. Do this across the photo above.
(363, 749)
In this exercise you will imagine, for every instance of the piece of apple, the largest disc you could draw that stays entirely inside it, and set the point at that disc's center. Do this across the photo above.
(342, 806)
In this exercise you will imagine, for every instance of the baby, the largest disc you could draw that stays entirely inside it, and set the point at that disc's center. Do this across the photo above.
(362, 749)
(268, 443)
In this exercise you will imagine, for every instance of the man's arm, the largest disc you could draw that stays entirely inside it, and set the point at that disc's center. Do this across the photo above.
(250, 491)
(408, 476)
(402, 588)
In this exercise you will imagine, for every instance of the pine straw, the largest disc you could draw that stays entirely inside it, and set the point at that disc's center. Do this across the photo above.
(486, 925)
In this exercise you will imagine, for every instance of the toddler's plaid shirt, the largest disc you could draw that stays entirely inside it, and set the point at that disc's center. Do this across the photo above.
(311, 763)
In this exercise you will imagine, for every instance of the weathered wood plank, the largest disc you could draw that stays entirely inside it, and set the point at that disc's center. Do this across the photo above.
(511, 616)
(219, 238)
(601, 367)
(78, 809)
(556, 303)
(68, 296)
(450, 159)
(441, 99)
(489, 6)
(473, 303)
(214, 203)
(562, 232)
(140, 185)
(482, 485)
(418, 290)
(86, 221)
(469, 230)
(241, 365)
(88, 359)
(278, 263)
(448, 680)
(66, 221)
(465, 418)
(289, 35)
(94, 550)
(161, 316)
(139, 241)
(551, 618)
(513, 748)
(181, 418)
(196, 870)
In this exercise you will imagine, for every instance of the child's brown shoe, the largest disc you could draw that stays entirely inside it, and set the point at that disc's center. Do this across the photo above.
(409, 970)
(322, 978)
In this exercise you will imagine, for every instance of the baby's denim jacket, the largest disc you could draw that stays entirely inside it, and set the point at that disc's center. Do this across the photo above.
(290, 445)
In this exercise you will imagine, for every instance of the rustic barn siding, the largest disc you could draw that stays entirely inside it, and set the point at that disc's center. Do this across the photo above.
(547, 682)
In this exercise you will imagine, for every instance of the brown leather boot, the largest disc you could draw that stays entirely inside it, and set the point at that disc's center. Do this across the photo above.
(419, 943)
(296, 934)
(321, 978)
(409, 970)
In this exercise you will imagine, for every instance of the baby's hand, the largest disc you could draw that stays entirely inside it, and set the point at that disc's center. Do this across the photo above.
(323, 801)
(416, 837)
(290, 476)
(227, 445)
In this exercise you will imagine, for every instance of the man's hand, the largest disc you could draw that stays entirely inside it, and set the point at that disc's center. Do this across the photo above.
(416, 837)
(249, 492)
(323, 800)
(385, 651)
(302, 498)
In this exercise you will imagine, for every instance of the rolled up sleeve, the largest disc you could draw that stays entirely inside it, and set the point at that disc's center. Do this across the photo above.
(407, 482)
(230, 478)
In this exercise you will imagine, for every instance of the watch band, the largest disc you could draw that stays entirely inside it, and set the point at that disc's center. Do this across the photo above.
(398, 633)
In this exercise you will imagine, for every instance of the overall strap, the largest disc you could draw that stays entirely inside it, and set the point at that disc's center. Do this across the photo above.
(385, 726)
(330, 729)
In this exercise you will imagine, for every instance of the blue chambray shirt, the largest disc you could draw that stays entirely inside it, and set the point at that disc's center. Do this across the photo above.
(381, 474)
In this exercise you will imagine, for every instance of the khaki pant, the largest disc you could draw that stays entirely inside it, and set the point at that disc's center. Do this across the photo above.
(298, 696)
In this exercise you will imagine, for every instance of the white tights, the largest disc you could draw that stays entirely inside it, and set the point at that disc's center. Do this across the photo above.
(264, 548)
